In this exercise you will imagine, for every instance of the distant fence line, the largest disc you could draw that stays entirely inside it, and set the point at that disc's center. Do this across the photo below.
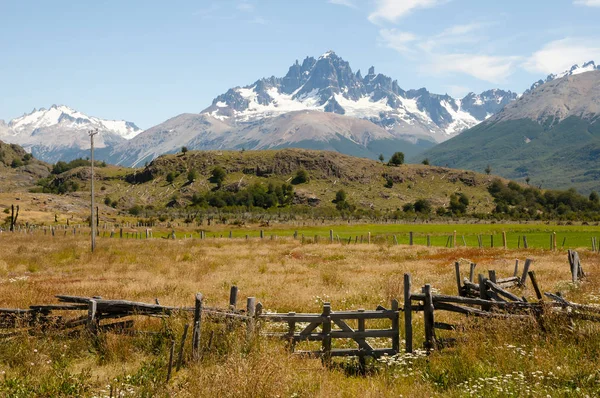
(453, 240)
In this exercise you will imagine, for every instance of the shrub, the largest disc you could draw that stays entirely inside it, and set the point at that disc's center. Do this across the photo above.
(171, 177)
(397, 159)
(218, 176)
(192, 176)
(301, 177)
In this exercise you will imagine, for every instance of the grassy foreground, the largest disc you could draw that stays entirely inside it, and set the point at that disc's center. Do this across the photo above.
(491, 358)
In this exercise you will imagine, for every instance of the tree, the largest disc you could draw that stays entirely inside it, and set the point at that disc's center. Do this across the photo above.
(170, 177)
(340, 196)
(459, 204)
(184, 149)
(301, 177)
(422, 206)
(389, 182)
(397, 159)
(192, 176)
(594, 198)
(381, 158)
(16, 163)
(218, 176)
(488, 170)
(425, 162)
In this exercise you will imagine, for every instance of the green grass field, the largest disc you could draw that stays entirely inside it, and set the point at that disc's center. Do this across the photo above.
(538, 235)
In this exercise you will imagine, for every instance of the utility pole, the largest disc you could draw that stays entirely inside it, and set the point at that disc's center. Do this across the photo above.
(92, 133)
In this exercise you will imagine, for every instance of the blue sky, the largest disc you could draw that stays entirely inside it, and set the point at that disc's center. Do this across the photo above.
(147, 61)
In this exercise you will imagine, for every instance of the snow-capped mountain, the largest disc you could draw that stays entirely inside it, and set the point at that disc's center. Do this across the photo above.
(60, 132)
(328, 84)
(575, 70)
(319, 104)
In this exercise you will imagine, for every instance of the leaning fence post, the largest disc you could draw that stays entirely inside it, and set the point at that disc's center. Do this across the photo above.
(326, 332)
(197, 325)
(407, 314)
(472, 272)
(538, 292)
(181, 345)
(525, 271)
(171, 352)
(428, 318)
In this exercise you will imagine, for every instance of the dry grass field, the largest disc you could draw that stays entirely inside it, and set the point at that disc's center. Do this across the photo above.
(491, 358)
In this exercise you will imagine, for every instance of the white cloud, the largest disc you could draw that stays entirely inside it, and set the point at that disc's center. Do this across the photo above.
(399, 41)
(258, 21)
(589, 3)
(346, 3)
(454, 35)
(393, 10)
(448, 52)
(491, 68)
(245, 6)
(560, 55)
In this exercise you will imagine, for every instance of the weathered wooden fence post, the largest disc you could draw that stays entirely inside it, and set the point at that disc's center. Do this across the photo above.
(428, 318)
(171, 352)
(197, 326)
(458, 282)
(326, 333)
(250, 313)
(516, 267)
(410, 238)
(525, 271)
(525, 245)
(92, 319)
(472, 272)
(331, 236)
(233, 292)
(395, 327)
(407, 314)
(483, 292)
(504, 243)
(181, 345)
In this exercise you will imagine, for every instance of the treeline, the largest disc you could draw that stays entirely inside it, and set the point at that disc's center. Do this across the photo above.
(255, 195)
(61, 166)
(517, 202)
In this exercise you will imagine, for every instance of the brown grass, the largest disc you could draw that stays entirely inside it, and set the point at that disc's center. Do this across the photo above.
(285, 276)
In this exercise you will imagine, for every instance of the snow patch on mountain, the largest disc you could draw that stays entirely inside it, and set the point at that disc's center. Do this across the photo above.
(69, 118)
(574, 70)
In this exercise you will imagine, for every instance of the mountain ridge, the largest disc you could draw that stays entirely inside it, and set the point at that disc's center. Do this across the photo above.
(550, 136)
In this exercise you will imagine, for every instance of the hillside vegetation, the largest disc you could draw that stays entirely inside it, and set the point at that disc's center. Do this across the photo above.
(187, 180)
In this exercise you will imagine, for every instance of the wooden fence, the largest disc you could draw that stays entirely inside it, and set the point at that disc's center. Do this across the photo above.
(489, 297)
(330, 325)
